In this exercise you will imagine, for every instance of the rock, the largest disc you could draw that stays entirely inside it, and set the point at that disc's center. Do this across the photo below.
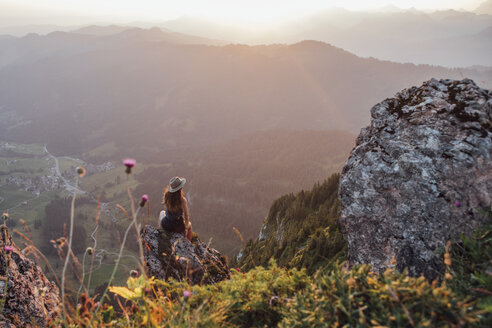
(419, 176)
(32, 300)
(171, 255)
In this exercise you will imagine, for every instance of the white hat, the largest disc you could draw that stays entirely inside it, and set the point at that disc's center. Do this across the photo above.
(176, 183)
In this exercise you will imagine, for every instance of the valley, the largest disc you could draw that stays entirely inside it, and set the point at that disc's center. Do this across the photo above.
(224, 180)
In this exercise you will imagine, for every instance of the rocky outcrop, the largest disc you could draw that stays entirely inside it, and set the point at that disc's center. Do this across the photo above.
(171, 255)
(31, 300)
(420, 175)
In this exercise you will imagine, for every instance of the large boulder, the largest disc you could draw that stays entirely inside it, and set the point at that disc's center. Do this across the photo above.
(171, 255)
(32, 300)
(419, 176)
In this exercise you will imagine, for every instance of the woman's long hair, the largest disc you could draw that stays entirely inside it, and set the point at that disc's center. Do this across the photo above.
(173, 200)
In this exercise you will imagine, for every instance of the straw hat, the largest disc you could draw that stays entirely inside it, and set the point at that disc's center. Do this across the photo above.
(176, 183)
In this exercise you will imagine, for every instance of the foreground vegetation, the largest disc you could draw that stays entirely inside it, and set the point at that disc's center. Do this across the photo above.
(334, 296)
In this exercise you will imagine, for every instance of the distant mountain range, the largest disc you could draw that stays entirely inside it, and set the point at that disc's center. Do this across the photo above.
(451, 38)
(154, 34)
(485, 8)
(145, 92)
(397, 35)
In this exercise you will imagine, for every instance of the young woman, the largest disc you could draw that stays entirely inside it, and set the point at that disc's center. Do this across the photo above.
(176, 216)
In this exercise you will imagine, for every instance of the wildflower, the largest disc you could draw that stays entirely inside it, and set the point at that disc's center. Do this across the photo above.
(134, 273)
(457, 203)
(448, 276)
(144, 199)
(238, 270)
(129, 163)
(8, 249)
(89, 250)
(80, 171)
(186, 294)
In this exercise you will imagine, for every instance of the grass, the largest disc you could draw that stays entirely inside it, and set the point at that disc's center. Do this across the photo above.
(67, 165)
(13, 198)
(107, 181)
(25, 166)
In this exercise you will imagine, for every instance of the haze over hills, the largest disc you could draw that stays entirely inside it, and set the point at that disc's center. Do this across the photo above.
(397, 35)
(452, 38)
(485, 8)
(186, 96)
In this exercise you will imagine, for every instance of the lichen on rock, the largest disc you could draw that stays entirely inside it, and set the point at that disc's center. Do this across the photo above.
(419, 175)
(32, 300)
(171, 255)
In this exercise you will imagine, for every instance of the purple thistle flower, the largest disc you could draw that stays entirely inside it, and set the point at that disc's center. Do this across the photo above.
(144, 200)
(129, 163)
(457, 203)
(8, 249)
(187, 294)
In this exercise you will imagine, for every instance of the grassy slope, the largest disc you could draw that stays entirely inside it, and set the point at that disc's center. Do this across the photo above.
(334, 296)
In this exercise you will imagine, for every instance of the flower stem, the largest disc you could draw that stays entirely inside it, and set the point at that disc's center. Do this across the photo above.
(134, 214)
(94, 237)
(117, 263)
(67, 258)
(83, 277)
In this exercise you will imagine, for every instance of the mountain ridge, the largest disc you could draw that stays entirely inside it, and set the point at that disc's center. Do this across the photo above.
(244, 88)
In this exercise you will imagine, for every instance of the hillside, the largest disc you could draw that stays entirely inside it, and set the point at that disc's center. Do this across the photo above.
(186, 96)
(234, 183)
(300, 231)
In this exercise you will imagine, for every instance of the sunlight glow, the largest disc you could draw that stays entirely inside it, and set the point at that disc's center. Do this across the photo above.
(257, 12)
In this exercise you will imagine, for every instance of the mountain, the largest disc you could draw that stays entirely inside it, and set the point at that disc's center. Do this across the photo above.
(401, 36)
(300, 231)
(186, 96)
(101, 30)
(23, 30)
(409, 36)
(153, 34)
(485, 8)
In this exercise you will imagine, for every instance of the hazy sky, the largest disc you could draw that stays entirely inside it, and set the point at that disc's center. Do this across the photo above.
(247, 11)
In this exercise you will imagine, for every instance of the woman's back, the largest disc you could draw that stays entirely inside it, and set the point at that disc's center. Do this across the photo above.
(175, 217)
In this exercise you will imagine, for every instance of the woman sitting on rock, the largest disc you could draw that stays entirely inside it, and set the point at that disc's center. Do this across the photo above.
(175, 217)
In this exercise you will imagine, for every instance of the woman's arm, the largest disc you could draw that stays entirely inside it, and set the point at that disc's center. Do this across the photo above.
(186, 213)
